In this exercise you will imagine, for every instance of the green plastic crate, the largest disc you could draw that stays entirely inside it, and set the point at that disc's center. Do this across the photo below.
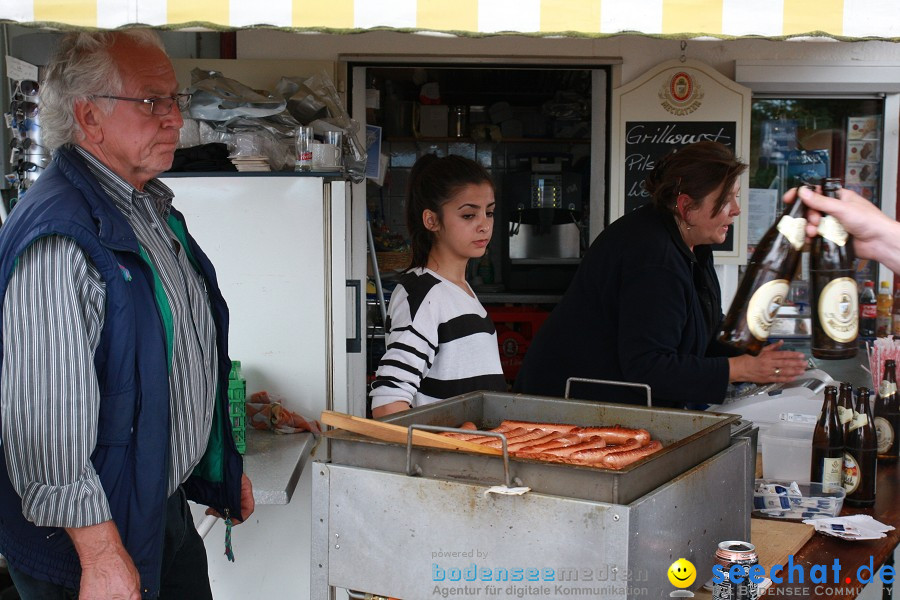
(237, 410)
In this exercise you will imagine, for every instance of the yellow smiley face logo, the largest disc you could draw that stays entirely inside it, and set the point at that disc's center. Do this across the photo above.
(682, 573)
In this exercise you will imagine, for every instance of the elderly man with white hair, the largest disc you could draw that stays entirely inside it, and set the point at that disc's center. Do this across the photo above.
(113, 389)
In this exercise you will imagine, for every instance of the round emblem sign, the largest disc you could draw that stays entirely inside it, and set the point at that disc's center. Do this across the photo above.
(681, 87)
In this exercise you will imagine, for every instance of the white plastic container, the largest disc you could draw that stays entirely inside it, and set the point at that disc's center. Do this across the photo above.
(787, 451)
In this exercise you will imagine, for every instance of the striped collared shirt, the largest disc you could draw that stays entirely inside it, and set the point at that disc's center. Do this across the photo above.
(52, 318)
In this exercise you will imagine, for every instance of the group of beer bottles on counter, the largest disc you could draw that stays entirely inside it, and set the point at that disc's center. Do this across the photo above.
(848, 440)
(765, 284)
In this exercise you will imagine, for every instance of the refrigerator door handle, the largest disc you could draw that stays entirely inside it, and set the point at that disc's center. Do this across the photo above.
(354, 341)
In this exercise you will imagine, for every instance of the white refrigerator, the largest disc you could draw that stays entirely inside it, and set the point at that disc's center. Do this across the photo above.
(279, 243)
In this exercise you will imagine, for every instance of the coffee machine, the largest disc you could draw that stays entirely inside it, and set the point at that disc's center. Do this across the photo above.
(543, 205)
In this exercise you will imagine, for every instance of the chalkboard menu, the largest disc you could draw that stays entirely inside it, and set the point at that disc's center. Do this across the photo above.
(648, 141)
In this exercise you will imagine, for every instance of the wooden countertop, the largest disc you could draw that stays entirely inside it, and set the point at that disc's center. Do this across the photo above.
(776, 540)
(823, 550)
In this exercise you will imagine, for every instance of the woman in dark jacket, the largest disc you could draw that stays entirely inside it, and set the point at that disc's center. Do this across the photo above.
(645, 303)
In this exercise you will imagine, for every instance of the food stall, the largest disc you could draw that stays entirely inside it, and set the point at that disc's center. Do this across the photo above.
(280, 550)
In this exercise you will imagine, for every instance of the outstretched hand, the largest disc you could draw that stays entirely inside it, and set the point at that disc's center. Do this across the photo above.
(875, 235)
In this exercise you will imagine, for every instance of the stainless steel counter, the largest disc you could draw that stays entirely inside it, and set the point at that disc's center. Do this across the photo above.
(274, 461)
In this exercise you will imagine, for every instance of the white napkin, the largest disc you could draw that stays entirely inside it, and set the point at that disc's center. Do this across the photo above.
(854, 527)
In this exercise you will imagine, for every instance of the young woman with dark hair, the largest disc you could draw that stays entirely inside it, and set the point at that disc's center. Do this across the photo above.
(440, 343)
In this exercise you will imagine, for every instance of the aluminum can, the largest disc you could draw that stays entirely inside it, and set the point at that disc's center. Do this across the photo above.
(729, 554)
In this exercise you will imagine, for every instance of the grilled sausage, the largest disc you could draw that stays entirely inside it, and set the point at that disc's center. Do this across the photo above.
(527, 441)
(594, 443)
(461, 436)
(616, 434)
(555, 442)
(493, 441)
(594, 456)
(617, 460)
(561, 427)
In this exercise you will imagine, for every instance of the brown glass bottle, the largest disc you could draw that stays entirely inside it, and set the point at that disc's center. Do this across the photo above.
(861, 449)
(845, 407)
(835, 295)
(887, 415)
(766, 282)
(828, 443)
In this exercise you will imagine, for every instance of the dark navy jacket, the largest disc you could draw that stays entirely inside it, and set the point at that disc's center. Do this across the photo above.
(132, 452)
(641, 308)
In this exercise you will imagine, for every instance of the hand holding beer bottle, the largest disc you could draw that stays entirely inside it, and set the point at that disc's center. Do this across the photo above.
(875, 235)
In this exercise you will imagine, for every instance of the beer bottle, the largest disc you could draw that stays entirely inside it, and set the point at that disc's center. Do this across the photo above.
(835, 297)
(845, 408)
(887, 415)
(860, 464)
(766, 282)
(827, 443)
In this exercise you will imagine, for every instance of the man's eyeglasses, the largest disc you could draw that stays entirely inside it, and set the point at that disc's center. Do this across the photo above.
(158, 106)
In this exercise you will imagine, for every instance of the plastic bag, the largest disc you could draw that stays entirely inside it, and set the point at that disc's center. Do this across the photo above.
(271, 137)
(218, 98)
(315, 101)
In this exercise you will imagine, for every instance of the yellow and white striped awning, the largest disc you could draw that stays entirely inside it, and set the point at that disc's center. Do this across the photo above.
(841, 19)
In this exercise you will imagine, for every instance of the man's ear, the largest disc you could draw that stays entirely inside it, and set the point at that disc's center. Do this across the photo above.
(90, 120)
(430, 220)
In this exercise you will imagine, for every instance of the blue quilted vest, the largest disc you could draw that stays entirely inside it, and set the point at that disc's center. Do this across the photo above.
(132, 452)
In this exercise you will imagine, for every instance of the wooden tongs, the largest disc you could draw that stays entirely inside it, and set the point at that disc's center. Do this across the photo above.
(388, 432)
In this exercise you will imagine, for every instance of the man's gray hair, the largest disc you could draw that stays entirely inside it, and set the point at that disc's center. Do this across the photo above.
(82, 66)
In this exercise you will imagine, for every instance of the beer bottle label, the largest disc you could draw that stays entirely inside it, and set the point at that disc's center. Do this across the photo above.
(845, 415)
(794, 229)
(887, 388)
(839, 309)
(859, 419)
(831, 229)
(763, 305)
(831, 470)
(884, 434)
(851, 476)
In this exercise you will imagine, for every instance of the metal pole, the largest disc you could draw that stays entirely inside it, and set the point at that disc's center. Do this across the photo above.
(379, 291)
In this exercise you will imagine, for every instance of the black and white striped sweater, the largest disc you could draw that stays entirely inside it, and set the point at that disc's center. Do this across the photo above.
(440, 344)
